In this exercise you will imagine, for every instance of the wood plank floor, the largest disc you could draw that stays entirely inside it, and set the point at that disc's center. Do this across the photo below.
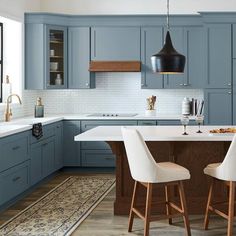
(102, 222)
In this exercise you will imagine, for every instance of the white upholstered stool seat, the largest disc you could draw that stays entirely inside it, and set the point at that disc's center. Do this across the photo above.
(212, 169)
(225, 172)
(169, 171)
(146, 172)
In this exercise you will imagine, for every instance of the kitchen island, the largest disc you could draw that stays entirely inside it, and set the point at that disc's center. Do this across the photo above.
(166, 143)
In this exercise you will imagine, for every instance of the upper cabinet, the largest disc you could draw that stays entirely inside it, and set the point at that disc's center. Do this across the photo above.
(56, 57)
(115, 43)
(45, 56)
(188, 41)
(219, 56)
(79, 58)
(234, 41)
(151, 43)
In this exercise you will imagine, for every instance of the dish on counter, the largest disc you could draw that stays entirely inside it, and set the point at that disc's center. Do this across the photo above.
(223, 131)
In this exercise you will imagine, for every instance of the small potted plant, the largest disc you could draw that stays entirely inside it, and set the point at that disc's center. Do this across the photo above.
(151, 106)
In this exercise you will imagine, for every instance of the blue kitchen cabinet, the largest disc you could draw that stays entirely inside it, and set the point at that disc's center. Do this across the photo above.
(99, 154)
(194, 50)
(56, 57)
(34, 56)
(219, 56)
(14, 150)
(42, 159)
(151, 43)
(48, 157)
(189, 41)
(71, 149)
(79, 76)
(14, 181)
(45, 56)
(177, 36)
(98, 158)
(58, 145)
(115, 43)
(14, 165)
(218, 107)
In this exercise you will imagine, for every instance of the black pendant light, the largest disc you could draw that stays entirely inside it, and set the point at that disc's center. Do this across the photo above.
(168, 60)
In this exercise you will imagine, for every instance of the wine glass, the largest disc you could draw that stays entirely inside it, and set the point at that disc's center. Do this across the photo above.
(184, 121)
(199, 120)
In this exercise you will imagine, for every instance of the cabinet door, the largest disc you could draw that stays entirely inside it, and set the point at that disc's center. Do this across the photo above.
(71, 149)
(36, 172)
(58, 146)
(234, 92)
(56, 57)
(79, 76)
(195, 48)
(151, 43)
(34, 56)
(218, 107)
(115, 43)
(177, 37)
(48, 156)
(219, 55)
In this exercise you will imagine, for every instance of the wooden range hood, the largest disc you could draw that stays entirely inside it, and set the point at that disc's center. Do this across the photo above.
(115, 66)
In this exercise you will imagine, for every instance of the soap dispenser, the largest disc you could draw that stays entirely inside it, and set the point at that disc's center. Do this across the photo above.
(39, 108)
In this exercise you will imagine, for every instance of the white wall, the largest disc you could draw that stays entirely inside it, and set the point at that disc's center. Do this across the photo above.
(135, 6)
(15, 9)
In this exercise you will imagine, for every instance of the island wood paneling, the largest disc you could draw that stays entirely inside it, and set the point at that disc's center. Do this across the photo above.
(195, 156)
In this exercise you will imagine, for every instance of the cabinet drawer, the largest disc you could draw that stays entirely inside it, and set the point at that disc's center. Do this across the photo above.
(174, 122)
(86, 125)
(147, 122)
(98, 158)
(48, 131)
(14, 181)
(14, 150)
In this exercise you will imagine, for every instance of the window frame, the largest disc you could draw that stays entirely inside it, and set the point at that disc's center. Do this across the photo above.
(1, 60)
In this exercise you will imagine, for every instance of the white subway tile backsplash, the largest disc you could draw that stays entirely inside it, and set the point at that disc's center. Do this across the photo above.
(115, 92)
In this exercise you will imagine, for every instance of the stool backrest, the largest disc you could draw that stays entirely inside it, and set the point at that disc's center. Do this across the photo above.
(142, 165)
(227, 170)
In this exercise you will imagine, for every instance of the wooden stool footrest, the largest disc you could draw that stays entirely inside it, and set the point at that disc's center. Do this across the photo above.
(218, 212)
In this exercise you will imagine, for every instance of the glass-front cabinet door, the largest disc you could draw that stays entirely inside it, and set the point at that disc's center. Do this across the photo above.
(56, 63)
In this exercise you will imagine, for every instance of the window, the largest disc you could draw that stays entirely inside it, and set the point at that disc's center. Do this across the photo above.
(1, 59)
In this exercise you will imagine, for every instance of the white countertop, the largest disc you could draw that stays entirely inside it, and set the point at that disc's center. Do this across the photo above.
(155, 133)
(25, 123)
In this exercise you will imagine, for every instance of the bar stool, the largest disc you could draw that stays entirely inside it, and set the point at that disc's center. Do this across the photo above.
(226, 172)
(146, 172)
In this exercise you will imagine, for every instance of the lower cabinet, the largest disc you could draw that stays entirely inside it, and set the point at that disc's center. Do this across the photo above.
(98, 158)
(42, 159)
(99, 154)
(218, 107)
(14, 181)
(46, 155)
(71, 149)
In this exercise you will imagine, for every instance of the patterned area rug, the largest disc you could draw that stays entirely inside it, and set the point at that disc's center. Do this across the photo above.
(60, 211)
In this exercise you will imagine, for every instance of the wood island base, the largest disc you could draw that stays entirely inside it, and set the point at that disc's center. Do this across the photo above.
(193, 155)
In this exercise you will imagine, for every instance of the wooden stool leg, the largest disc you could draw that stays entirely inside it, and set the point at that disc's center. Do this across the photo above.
(231, 208)
(184, 208)
(206, 220)
(148, 209)
(131, 214)
(168, 208)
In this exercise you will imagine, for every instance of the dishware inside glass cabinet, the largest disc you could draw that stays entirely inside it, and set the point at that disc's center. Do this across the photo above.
(56, 56)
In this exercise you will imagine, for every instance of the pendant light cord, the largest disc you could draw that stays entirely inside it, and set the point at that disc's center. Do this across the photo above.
(168, 15)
